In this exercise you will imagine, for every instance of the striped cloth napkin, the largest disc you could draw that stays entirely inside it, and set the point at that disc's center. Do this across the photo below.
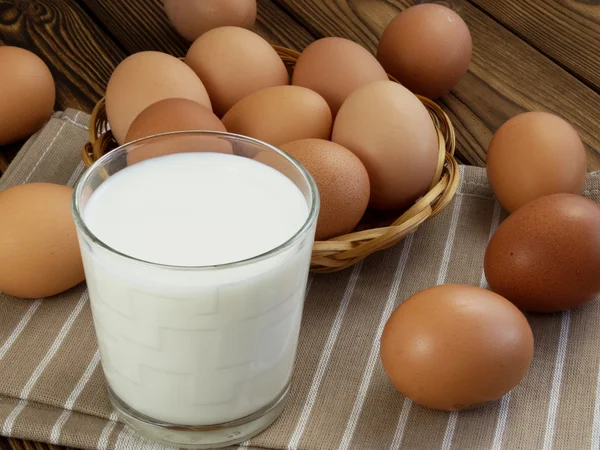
(52, 388)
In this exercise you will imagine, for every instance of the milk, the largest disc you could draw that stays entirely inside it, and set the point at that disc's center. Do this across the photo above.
(188, 345)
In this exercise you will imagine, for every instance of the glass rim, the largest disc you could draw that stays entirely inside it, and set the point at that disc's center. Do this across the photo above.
(106, 158)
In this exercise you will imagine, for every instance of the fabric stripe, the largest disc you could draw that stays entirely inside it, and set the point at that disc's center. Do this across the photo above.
(55, 434)
(55, 346)
(557, 380)
(10, 420)
(326, 354)
(9, 423)
(374, 354)
(385, 410)
(402, 421)
(595, 445)
(41, 158)
(456, 209)
(19, 328)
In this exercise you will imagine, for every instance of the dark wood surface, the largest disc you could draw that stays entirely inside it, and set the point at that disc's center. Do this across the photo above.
(527, 55)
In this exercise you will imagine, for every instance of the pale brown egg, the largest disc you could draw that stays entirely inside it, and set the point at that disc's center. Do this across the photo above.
(545, 257)
(342, 181)
(233, 63)
(173, 114)
(39, 250)
(427, 48)
(280, 114)
(455, 347)
(335, 67)
(143, 79)
(27, 94)
(535, 154)
(193, 18)
(391, 132)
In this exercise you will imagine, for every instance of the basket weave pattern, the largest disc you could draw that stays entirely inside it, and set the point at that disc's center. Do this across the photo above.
(342, 251)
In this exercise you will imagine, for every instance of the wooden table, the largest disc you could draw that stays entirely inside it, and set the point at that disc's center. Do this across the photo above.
(527, 55)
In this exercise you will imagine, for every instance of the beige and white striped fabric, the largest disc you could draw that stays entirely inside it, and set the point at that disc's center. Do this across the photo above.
(52, 388)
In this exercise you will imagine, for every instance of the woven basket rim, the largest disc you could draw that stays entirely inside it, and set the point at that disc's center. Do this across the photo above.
(342, 251)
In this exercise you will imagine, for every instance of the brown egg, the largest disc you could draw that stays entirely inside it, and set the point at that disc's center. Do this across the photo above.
(173, 114)
(39, 251)
(391, 132)
(545, 257)
(280, 114)
(145, 78)
(342, 181)
(455, 347)
(335, 67)
(233, 63)
(427, 48)
(532, 155)
(28, 94)
(193, 18)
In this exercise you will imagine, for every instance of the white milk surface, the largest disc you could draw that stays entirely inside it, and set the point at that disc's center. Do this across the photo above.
(195, 346)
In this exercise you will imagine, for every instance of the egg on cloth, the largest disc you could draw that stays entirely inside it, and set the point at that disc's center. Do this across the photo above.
(545, 257)
(27, 94)
(280, 114)
(535, 154)
(233, 63)
(455, 347)
(39, 250)
(173, 114)
(391, 132)
(335, 67)
(427, 48)
(342, 181)
(193, 18)
(143, 79)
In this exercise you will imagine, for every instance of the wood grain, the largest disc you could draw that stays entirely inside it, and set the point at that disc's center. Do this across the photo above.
(80, 56)
(143, 25)
(507, 75)
(568, 31)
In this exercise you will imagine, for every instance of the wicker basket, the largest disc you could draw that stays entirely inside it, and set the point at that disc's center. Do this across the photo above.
(376, 233)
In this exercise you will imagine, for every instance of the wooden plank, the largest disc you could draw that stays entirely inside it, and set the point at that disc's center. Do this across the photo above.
(80, 56)
(568, 31)
(152, 30)
(507, 75)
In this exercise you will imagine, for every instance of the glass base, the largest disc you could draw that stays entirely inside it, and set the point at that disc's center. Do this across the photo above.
(201, 437)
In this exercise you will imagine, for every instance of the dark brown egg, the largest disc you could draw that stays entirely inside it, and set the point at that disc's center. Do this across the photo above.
(427, 48)
(173, 114)
(545, 257)
(454, 347)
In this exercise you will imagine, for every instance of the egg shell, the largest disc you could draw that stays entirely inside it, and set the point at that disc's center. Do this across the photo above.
(535, 154)
(342, 181)
(545, 257)
(28, 94)
(280, 114)
(427, 48)
(193, 18)
(233, 63)
(39, 250)
(143, 79)
(455, 347)
(391, 132)
(173, 114)
(335, 67)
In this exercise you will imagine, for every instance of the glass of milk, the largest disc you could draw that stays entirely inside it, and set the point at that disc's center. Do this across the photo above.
(196, 248)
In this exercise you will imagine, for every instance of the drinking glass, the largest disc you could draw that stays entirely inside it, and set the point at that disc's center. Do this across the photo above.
(197, 357)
